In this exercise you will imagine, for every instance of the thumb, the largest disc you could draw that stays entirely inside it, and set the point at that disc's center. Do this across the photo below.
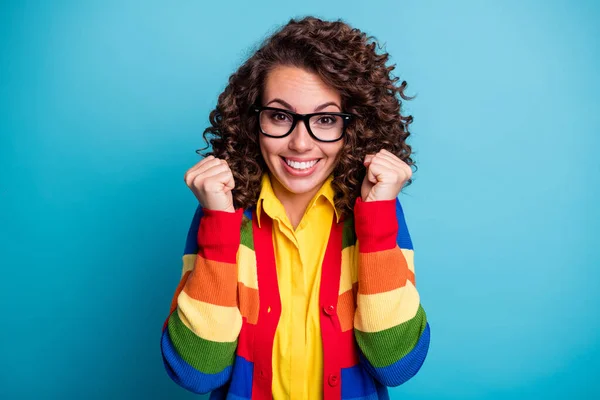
(370, 175)
(229, 184)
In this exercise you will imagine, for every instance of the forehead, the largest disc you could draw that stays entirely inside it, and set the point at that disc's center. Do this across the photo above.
(300, 88)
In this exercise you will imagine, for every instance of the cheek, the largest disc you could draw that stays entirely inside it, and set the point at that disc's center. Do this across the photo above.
(336, 153)
(335, 150)
(263, 147)
(268, 148)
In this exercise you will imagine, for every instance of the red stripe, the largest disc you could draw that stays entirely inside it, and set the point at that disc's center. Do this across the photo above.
(269, 308)
(219, 235)
(246, 340)
(347, 349)
(333, 348)
(376, 225)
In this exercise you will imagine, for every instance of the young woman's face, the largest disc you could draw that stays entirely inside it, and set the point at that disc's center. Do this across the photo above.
(299, 163)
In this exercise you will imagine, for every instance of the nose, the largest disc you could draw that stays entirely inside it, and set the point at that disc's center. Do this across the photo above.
(300, 139)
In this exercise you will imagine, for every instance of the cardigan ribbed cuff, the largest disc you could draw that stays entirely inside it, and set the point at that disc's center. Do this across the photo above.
(375, 224)
(219, 235)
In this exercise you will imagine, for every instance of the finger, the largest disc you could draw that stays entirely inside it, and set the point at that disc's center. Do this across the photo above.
(222, 181)
(371, 176)
(229, 182)
(191, 175)
(396, 162)
(376, 169)
(368, 159)
(387, 152)
(192, 172)
(211, 163)
(389, 156)
(196, 178)
(213, 170)
(202, 162)
(384, 161)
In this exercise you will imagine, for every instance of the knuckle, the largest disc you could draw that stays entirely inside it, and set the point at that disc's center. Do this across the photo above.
(198, 181)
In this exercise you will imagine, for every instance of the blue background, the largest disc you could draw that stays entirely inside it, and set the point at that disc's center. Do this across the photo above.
(102, 105)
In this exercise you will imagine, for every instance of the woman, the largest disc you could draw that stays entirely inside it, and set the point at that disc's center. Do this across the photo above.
(298, 277)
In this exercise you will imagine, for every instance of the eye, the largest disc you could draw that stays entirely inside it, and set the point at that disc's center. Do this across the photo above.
(327, 120)
(280, 117)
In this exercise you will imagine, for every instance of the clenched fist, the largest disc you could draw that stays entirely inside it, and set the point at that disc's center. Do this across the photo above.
(211, 181)
(386, 174)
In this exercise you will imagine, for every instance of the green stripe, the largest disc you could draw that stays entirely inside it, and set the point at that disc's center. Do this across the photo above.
(385, 347)
(348, 234)
(205, 356)
(246, 233)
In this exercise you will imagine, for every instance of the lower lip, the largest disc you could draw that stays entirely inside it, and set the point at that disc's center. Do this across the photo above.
(299, 172)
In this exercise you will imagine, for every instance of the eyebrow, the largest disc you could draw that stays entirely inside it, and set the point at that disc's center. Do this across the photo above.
(317, 109)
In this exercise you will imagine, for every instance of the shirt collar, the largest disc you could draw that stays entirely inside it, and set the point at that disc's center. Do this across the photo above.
(268, 202)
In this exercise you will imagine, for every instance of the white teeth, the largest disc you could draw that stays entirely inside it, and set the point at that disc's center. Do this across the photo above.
(301, 165)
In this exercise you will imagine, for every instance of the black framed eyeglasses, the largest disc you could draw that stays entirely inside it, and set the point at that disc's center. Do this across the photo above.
(322, 126)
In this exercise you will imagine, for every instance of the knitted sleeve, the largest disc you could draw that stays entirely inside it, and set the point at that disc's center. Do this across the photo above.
(199, 337)
(390, 324)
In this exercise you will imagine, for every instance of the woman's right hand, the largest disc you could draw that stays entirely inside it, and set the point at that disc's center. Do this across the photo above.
(211, 181)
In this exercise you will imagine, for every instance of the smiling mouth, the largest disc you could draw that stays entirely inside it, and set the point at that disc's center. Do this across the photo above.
(300, 165)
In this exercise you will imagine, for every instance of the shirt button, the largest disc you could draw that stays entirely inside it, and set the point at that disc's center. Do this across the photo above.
(329, 310)
(333, 380)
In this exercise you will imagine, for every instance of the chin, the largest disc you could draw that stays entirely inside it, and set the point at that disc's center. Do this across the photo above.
(304, 187)
(300, 185)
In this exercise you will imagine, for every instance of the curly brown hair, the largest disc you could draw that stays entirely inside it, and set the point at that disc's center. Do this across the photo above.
(346, 59)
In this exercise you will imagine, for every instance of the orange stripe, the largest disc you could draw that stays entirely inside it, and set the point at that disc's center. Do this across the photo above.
(178, 290)
(213, 282)
(248, 303)
(345, 310)
(382, 271)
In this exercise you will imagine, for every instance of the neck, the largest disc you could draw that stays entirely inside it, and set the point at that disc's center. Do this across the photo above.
(295, 204)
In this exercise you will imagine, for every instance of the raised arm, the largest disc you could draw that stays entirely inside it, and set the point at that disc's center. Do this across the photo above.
(200, 335)
(390, 324)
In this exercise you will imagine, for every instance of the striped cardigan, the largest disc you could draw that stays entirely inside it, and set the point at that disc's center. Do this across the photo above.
(219, 334)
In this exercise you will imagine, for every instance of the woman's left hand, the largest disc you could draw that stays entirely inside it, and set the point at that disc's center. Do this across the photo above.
(386, 174)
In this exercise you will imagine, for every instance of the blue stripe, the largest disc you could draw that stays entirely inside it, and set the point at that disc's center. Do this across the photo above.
(382, 391)
(370, 397)
(219, 394)
(403, 237)
(234, 397)
(357, 383)
(403, 369)
(191, 243)
(187, 376)
(241, 382)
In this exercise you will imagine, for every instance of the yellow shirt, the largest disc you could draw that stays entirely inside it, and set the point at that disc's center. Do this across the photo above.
(297, 346)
